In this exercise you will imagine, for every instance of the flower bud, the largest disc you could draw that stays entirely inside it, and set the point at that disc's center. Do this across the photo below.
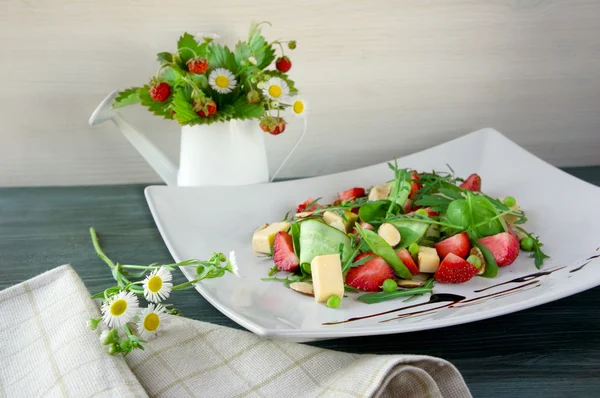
(253, 97)
(274, 104)
(252, 60)
(112, 349)
(106, 337)
(261, 85)
(92, 323)
(292, 44)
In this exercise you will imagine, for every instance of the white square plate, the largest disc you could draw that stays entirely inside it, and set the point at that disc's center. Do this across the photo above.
(194, 222)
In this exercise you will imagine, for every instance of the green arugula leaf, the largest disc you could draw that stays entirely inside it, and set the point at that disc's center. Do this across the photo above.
(189, 48)
(436, 202)
(126, 97)
(373, 298)
(221, 57)
(262, 51)
(164, 58)
(245, 110)
(158, 108)
(273, 270)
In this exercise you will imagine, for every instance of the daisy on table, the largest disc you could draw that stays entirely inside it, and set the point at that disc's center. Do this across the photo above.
(157, 285)
(150, 320)
(119, 309)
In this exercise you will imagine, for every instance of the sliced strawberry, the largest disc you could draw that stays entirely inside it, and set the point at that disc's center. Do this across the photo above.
(504, 247)
(414, 186)
(308, 202)
(351, 193)
(283, 252)
(407, 206)
(408, 261)
(472, 183)
(455, 270)
(370, 275)
(458, 244)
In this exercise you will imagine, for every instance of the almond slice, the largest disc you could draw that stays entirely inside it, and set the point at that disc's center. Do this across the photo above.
(389, 233)
(303, 288)
(409, 283)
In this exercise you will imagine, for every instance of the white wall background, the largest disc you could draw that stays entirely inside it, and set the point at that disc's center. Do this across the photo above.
(384, 78)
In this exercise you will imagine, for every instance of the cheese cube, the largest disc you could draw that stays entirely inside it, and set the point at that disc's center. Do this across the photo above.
(380, 192)
(263, 238)
(327, 277)
(428, 259)
(336, 221)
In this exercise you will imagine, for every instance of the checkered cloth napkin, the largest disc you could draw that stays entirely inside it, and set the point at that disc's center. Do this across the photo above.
(46, 349)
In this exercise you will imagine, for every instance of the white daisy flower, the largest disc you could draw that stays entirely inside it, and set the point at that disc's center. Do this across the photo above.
(201, 36)
(157, 285)
(150, 320)
(233, 266)
(117, 310)
(276, 89)
(222, 80)
(298, 106)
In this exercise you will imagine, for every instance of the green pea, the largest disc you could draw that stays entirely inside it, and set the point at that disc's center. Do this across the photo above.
(389, 286)
(510, 201)
(334, 301)
(476, 261)
(414, 248)
(527, 243)
(305, 268)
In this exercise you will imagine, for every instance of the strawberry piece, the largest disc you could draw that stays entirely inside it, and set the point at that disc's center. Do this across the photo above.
(283, 252)
(366, 225)
(283, 64)
(472, 183)
(352, 193)
(504, 247)
(408, 261)
(407, 206)
(272, 125)
(198, 65)
(458, 244)
(454, 269)
(302, 207)
(160, 92)
(370, 275)
(414, 186)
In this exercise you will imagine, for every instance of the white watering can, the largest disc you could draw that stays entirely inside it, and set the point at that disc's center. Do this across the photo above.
(229, 153)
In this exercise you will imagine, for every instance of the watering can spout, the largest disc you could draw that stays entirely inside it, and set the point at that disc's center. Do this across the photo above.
(154, 156)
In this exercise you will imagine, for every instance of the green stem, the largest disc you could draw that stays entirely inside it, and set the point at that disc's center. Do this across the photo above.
(187, 48)
(99, 250)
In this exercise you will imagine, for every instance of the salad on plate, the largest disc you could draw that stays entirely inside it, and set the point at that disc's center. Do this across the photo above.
(396, 239)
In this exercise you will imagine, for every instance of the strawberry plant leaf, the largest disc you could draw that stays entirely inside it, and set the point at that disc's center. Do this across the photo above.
(221, 57)
(171, 76)
(242, 52)
(126, 97)
(189, 48)
(158, 108)
(290, 83)
(164, 58)
(182, 105)
(244, 110)
(262, 51)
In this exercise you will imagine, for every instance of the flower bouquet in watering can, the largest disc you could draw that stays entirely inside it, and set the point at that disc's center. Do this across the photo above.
(226, 101)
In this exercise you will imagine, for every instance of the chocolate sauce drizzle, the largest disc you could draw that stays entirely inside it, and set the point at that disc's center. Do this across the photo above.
(522, 279)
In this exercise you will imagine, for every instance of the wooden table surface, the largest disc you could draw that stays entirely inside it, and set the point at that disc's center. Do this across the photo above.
(551, 350)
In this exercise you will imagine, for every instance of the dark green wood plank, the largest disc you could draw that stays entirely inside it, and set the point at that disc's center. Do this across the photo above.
(551, 350)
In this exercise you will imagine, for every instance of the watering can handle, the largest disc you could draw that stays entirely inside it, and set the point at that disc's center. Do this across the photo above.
(291, 152)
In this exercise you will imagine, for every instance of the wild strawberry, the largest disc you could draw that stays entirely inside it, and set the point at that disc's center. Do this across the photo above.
(351, 193)
(414, 185)
(160, 92)
(272, 125)
(205, 108)
(308, 205)
(198, 65)
(370, 275)
(458, 244)
(504, 247)
(472, 183)
(283, 252)
(454, 269)
(283, 64)
(253, 97)
(408, 261)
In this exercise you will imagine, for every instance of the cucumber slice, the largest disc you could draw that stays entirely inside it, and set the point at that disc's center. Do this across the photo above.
(317, 239)
(410, 231)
